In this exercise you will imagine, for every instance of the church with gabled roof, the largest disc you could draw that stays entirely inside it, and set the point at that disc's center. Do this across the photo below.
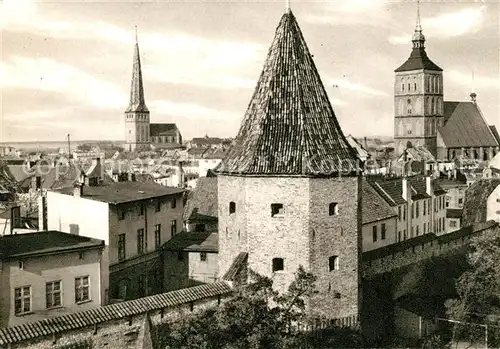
(428, 124)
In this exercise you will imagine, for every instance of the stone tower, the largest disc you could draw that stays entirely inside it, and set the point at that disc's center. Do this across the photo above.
(418, 98)
(289, 189)
(136, 114)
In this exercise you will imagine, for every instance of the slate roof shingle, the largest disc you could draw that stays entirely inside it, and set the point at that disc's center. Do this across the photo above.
(465, 126)
(202, 204)
(289, 127)
(374, 208)
(42, 242)
(122, 192)
(193, 242)
(116, 311)
(162, 129)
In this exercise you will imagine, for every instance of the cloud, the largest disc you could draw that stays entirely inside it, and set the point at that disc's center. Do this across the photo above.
(448, 25)
(348, 12)
(190, 111)
(344, 84)
(48, 75)
(481, 82)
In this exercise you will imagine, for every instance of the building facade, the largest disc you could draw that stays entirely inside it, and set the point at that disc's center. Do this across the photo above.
(48, 274)
(133, 218)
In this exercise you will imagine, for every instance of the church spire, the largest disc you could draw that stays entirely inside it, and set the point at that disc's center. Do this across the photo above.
(418, 37)
(137, 102)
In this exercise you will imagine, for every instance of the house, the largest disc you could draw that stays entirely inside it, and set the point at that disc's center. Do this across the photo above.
(418, 201)
(209, 142)
(453, 219)
(48, 274)
(190, 259)
(133, 218)
(200, 213)
(358, 147)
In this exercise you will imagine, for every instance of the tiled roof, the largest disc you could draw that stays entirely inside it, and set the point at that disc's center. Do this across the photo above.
(495, 133)
(162, 129)
(374, 208)
(44, 242)
(454, 213)
(465, 126)
(203, 203)
(137, 102)
(193, 242)
(121, 192)
(238, 263)
(418, 59)
(289, 127)
(476, 197)
(106, 313)
(420, 153)
(202, 141)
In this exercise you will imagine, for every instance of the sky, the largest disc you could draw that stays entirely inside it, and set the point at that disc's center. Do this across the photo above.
(66, 65)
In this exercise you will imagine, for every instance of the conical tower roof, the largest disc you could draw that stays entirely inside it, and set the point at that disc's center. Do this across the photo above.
(137, 102)
(289, 127)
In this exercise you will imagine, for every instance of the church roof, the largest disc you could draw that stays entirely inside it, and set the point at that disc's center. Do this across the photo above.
(465, 126)
(137, 102)
(418, 60)
(162, 129)
(289, 127)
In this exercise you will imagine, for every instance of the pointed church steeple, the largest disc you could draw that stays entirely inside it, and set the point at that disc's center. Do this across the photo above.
(289, 127)
(418, 37)
(137, 102)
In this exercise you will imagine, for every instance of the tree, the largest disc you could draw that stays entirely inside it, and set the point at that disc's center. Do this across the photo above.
(255, 317)
(478, 289)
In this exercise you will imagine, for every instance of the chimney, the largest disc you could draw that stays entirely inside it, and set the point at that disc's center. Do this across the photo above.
(405, 188)
(428, 185)
(180, 174)
(78, 190)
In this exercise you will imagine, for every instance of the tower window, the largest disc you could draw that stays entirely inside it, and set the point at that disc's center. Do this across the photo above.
(278, 264)
(333, 263)
(277, 210)
(402, 87)
(333, 209)
(232, 207)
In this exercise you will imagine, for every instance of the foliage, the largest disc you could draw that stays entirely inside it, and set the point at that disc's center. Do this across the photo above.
(435, 342)
(479, 293)
(85, 344)
(255, 317)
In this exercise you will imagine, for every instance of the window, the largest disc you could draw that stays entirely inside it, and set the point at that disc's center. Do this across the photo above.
(82, 289)
(278, 264)
(21, 265)
(333, 263)
(140, 241)
(374, 233)
(404, 213)
(399, 235)
(157, 206)
(404, 234)
(232, 207)
(121, 213)
(425, 208)
(53, 294)
(461, 201)
(418, 230)
(200, 227)
(425, 228)
(121, 247)
(333, 209)
(22, 299)
(399, 213)
(277, 210)
(417, 209)
(157, 235)
(141, 209)
(203, 256)
(81, 255)
(412, 210)
(382, 232)
(173, 227)
(453, 224)
(173, 203)
(180, 256)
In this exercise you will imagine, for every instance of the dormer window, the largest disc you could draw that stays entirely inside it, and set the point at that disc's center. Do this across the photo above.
(333, 209)
(232, 207)
(277, 210)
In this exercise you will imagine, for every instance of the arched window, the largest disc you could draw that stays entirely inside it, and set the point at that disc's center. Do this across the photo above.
(278, 264)
(232, 207)
(415, 83)
(408, 107)
(333, 209)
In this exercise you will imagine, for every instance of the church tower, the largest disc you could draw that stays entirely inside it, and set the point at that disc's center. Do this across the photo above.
(418, 98)
(289, 189)
(136, 114)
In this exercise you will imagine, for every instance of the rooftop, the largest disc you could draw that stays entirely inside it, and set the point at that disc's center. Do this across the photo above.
(44, 242)
(289, 127)
(202, 204)
(418, 60)
(122, 192)
(162, 129)
(465, 126)
(374, 208)
(193, 242)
